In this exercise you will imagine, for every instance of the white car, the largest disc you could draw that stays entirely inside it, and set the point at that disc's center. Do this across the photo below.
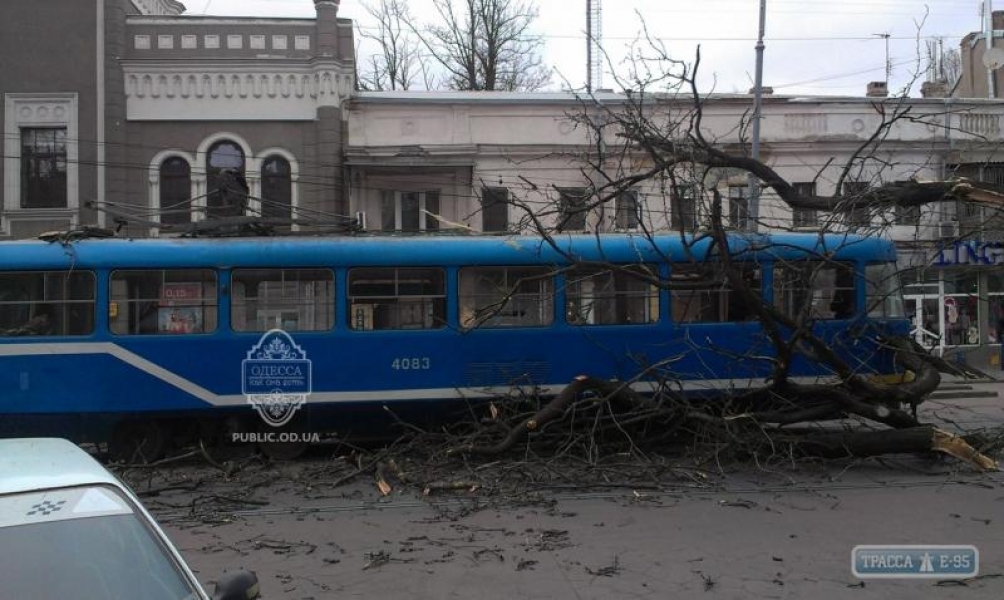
(71, 529)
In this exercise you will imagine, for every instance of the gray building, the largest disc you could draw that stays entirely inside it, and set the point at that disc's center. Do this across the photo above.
(128, 107)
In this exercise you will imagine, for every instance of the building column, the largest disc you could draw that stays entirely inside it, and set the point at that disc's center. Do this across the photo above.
(330, 196)
(116, 157)
(327, 28)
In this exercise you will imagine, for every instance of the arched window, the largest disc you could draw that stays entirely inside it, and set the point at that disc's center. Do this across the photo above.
(175, 191)
(276, 188)
(222, 155)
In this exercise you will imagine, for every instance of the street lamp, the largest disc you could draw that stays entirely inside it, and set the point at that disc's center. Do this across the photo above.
(754, 183)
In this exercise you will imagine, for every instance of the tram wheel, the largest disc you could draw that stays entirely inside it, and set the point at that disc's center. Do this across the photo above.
(141, 441)
(220, 439)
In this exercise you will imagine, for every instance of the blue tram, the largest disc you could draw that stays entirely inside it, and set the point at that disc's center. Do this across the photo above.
(103, 337)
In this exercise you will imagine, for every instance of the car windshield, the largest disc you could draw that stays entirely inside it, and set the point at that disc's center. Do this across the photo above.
(86, 542)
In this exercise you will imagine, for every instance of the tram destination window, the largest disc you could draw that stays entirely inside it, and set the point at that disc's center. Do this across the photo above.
(703, 294)
(46, 303)
(817, 289)
(506, 297)
(171, 301)
(397, 298)
(883, 292)
(287, 299)
(611, 296)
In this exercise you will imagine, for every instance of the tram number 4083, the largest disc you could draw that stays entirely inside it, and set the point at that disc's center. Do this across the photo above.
(418, 363)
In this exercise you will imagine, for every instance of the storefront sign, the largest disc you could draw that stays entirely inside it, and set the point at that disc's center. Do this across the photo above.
(970, 253)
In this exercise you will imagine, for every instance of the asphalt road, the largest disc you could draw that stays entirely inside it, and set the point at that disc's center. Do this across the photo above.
(780, 532)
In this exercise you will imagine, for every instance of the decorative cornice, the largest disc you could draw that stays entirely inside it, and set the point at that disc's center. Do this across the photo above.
(328, 87)
(188, 21)
(165, 93)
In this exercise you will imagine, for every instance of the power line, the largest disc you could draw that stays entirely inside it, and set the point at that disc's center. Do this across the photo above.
(671, 38)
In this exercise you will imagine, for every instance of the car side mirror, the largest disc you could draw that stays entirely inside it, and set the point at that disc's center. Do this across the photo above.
(239, 585)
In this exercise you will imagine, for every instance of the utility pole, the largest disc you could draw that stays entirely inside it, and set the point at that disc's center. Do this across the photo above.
(753, 210)
(589, 45)
(988, 17)
(888, 65)
(594, 37)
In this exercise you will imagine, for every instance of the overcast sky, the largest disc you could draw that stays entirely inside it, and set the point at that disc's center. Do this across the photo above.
(813, 47)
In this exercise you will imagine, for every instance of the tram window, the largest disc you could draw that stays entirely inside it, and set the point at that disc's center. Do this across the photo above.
(612, 296)
(287, 299)
(703, 295)
(884, 295)
(397, 298)
(173, 301)
(820, 290)
(46, 303)
(737, 307)
(506, 297)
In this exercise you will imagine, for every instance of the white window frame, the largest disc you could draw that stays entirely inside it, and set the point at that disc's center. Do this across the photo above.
(639, 202)
(154, 181)
(738, 211)
(252, 167)
(422, 209)
(38, 111)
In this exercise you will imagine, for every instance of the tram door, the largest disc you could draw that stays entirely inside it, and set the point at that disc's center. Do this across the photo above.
(928, 321)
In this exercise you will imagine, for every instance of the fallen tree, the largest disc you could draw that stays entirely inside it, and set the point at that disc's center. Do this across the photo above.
(656, 139)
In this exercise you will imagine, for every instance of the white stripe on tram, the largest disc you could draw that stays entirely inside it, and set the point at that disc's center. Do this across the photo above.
(194, 389)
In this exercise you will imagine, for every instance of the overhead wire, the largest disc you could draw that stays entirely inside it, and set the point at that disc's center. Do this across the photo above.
(516, 184)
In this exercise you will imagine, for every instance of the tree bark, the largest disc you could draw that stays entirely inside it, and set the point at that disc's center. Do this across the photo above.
(891, 441)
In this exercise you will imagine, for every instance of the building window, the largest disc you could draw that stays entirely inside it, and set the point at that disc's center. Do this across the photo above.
(610, 296)
(224, 177)
(175, 191)
(683, 209)
(986, 172)
(43, 167)
(628, 215)
(276, 188)
(907, 215)
(506, 297)
(397, 298)
(804, 217)
(287, 299)
(858, 214)
(409, 211)
(571, 209)
(739, 206)
(968, 212)
(494, 209)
